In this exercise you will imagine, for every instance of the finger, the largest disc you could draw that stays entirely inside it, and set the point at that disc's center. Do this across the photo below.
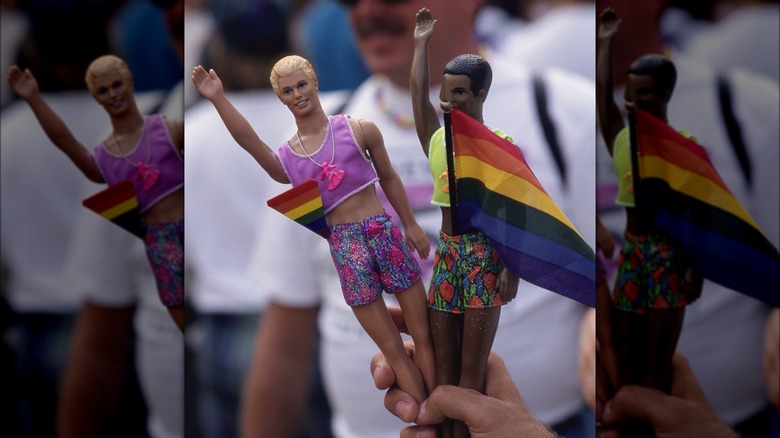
(418, 432)
(684, 383)
(447, 401)
(636, 402)
(383, 374)
(401, 404)
(397, 315)
(499, 383)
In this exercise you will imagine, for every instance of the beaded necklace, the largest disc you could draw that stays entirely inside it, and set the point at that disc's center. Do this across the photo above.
(328, 168)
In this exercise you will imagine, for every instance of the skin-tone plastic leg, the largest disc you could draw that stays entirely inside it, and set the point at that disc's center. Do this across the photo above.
(645, 344)
(414, 306)
(380, 327)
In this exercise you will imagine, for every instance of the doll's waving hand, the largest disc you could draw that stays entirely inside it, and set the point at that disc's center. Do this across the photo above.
(609, 24)
(207, 82)
(22, 82)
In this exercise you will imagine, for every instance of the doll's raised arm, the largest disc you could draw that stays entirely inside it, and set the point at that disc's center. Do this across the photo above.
(392, 185)
(425, 119)
(26, 86)
(210, 86)
(610, 119)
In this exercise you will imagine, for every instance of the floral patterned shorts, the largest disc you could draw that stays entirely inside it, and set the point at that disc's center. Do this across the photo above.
(465, 274)
(165, 251)
(371, 256)
(651, 273)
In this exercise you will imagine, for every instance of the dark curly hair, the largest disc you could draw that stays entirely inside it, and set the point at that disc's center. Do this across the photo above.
(475, 67)
(659, 67)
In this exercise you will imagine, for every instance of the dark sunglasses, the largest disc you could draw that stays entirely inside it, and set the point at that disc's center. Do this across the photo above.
(353, 3)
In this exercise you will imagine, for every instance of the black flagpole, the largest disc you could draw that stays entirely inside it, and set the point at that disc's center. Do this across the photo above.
(448, 147)
(635, 177)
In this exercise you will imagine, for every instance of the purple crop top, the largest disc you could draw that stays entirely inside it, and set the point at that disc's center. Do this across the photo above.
(339, 165)
(154, 166)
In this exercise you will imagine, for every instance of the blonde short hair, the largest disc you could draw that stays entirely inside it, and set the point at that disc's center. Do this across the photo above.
(105, 64)
(289, 65)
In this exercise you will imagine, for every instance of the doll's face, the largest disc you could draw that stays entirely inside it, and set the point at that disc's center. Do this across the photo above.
(113, 91)
(298, 93)
(641, 89)
(458, 91)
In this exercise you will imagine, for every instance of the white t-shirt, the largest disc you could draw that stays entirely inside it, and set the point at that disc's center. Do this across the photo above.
(41, 198)
(749, 38)
(108, 266)
(225, 201)
(555, 40)
(538, 332)
(723, 330)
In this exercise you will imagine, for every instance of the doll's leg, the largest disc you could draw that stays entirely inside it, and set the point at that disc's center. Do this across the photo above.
(415, 309)
(177, 313)
(446, 330)
(479, 331)
(380, 327)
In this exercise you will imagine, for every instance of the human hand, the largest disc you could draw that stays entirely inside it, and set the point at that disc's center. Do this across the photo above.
(478, 411)
(772, 357)
(416, 239)
(684, 413)
(609, 24)
(507, 285)
(424, 26)
(586, 363)
(23, 83)
(208, 83)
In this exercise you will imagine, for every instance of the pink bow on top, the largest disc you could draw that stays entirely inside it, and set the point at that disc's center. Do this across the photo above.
(148, 174)
(334, 176)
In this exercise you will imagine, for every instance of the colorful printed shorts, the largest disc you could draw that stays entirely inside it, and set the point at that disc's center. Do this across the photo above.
(651, 274)
(165, 251)
(465, 274)
(371, 256)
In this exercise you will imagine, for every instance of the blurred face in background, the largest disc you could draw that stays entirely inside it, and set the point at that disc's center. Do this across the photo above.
(384, 33)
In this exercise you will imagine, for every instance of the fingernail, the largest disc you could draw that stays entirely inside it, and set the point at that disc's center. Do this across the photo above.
(606, 416)
(403, 409)
(425, 432)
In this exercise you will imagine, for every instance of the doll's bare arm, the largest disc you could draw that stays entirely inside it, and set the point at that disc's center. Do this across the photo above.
(507, 285)
(610, 119)
(425, 119)
(176, 131)
(26, 86)
(393, 186)
(210, 86)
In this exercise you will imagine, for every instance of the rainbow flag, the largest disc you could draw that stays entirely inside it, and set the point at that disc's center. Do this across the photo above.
(499, 195)
(118, 204)
(303, 204)
(682, 193)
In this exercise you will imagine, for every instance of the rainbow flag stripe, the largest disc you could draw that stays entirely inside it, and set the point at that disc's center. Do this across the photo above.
(303, 204)
(118, 204)
(500, 196)
(682, 193)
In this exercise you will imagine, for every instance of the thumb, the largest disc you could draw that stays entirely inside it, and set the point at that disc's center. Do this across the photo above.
(448, 401)
(636, 402)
